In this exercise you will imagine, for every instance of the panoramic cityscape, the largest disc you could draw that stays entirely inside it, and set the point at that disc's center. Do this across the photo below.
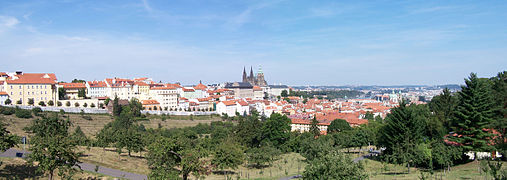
(146, 89)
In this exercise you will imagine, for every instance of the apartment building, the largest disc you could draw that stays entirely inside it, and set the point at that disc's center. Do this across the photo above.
(166, 96)
(23, 87)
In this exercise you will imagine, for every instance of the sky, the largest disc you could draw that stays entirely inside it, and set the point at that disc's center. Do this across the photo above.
(297, 42)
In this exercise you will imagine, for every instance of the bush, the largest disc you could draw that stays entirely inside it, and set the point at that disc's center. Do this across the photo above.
(92, 105)
(18, 102)
(67, 103)
(59, 103)
(51, 103)
(36, 111)
(85, 105)
(7, 110)
(76, 104)
(23, 113)
(30, 101)
(8, 101)
(89, 118)
(41, 103)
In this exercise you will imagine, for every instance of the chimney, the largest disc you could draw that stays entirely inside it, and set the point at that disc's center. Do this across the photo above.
(19, 72)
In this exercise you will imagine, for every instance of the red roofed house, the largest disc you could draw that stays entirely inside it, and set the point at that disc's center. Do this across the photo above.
(303, 125)
(22, 87)
(72, 89)
(3, 97)
(97, 89)
(227, 107)
(150, 105)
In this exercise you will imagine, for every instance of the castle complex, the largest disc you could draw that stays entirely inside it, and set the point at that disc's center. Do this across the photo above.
(255, 80)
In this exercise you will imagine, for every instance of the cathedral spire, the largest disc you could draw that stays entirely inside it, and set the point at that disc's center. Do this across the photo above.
(251, 73)
(244, 74)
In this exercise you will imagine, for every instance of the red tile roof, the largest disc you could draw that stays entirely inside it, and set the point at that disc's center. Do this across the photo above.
(229, 103)
(150, 102)
(242, 103)
(257, 88)
(200, 86)
(32, 78)
(188, 90)
(3, 93)
(97, 83)
(73, 85)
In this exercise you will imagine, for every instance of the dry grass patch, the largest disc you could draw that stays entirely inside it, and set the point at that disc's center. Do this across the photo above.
(17, 168)
(110, 158)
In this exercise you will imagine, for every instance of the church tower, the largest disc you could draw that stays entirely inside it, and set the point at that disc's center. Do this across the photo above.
(260, 78)
(244, 75)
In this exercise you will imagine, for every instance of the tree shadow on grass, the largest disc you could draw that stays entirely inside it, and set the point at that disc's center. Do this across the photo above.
(16, 171)
(224, 172)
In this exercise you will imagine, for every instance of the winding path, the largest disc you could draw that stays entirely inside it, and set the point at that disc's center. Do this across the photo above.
(86, 166)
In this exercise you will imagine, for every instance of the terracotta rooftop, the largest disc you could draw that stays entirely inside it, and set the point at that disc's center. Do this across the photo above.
(73, 85)
(32, 78)
(149, 102)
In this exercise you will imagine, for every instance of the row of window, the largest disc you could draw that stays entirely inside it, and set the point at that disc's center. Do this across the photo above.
(33, 87)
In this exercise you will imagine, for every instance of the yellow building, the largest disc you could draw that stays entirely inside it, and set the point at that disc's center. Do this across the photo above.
(23, 87)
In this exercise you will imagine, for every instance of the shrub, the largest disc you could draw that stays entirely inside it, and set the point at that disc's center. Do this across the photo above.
(23, 113)
(85, 105)
(59, 103)
(36, 111)
(41, 103)
(89, 118)
(76, 104)
(8, 101)
(7, 111)
(30, 101)
(67, 103)
(18, 102)
(92, 105)
(51, 103)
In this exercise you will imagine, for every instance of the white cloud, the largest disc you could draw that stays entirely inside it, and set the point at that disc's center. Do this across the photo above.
(8, 21)
(77, 38)
(147, 6)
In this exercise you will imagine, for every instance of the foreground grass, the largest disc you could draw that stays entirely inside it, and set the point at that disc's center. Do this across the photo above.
(17, 168)
(288, 164)
(378, 170)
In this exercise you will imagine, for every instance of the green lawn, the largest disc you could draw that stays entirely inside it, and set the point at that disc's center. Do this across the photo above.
(378, 170)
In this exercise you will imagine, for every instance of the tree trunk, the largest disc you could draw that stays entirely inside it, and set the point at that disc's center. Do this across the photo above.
(185, 176)
(50, 175)
(408, 168)
(129, 153)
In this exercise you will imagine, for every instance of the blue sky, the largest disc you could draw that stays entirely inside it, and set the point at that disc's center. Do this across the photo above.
(296, 42)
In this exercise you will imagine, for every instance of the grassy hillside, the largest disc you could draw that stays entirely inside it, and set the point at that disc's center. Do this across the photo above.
(90, 127)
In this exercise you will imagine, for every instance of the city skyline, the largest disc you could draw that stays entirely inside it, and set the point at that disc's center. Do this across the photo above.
(296, 42)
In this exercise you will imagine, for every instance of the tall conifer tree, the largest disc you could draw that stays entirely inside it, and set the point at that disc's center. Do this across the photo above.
(474, 115)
